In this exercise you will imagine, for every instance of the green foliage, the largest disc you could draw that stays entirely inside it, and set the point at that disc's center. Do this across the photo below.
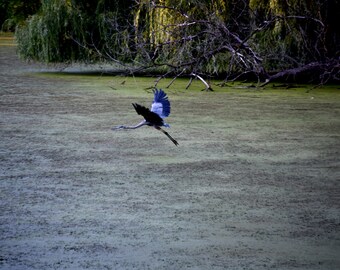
(296, 33)
(46, 35)
(219, 36)
(71, 31)
(14, 12)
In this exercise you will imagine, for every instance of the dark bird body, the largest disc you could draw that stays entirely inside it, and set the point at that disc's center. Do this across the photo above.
(150, 117)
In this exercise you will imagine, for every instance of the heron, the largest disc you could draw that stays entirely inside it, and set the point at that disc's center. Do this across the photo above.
(153, 117)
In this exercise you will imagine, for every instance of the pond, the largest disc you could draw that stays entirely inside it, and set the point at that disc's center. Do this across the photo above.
(253, 184)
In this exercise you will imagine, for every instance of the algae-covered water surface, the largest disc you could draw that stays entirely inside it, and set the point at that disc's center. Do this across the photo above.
(253, 184)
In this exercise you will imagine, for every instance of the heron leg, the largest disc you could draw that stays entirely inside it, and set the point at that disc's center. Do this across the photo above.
(167, 134)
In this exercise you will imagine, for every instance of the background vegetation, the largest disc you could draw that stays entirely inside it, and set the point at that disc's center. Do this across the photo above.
(14, 12)
(264, 39)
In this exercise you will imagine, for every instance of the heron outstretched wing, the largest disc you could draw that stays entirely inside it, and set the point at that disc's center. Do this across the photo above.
(160, 104)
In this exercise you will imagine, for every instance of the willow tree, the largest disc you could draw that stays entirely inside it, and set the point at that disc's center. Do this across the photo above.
(297, 37)
(46, 35)
(14, 12)
(200, 38)
(263, 39)
(75, 30)
(266, 38)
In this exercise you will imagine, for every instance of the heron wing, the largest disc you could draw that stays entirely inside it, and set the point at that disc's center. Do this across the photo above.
(151, 117)
(160, 104)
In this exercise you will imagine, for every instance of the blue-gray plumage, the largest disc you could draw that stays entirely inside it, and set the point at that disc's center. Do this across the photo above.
(160, 104)
(160, 109)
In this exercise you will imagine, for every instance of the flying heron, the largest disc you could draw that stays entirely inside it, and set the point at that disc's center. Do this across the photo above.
(160, 109)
